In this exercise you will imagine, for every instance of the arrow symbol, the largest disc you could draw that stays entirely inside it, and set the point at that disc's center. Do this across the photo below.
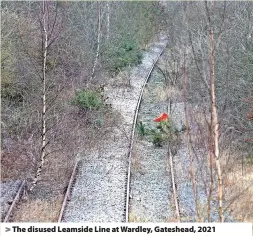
(7, 229)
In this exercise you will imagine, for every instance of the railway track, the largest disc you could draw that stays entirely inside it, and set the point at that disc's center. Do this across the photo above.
(154, 196)
(122, 174)
(125, 167)
(164, 193)
(68, 191)
(133, 135)
(14, 201)
(98, 194)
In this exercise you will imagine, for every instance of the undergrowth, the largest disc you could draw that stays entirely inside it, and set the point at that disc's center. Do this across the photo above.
(87, 99)
(126, 53)
(164, 132)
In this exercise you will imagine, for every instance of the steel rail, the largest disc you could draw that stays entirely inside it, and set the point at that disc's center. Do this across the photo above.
(68, 192)
(15, 201)
(133, 134)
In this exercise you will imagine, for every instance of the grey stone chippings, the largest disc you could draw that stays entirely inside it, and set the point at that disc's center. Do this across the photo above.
(152, 196)
(98, 194)
(185, 191)
(150, 184)
(8, 192)
(182, 172)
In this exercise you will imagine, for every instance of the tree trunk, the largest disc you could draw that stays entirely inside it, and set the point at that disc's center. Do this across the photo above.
(215, 125)
(43, 143)
(108, 20)
(98, 44)
(211, 169)
(192, 169)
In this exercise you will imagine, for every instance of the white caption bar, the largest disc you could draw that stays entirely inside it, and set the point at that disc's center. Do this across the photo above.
(154, 229)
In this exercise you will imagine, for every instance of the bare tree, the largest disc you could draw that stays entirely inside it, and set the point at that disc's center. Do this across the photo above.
(214, 114)
(98, 42)
(44, 26)
(48, 37)
(108, 20)
(188, 138)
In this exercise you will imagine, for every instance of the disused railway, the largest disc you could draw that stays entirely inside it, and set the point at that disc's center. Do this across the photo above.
(71, 184)
(127, 190)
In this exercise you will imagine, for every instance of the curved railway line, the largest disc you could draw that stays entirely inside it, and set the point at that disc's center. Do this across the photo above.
(126, 184)
(133, 135)
(127, 188)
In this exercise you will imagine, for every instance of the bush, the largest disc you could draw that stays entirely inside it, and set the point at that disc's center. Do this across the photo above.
(86, 99)
(157, 139)
(164, 132)
(125, 54)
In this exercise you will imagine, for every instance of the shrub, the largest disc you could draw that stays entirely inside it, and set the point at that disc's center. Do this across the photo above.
(86, 99)
(157, 139)
(125, 54)
(164, 132)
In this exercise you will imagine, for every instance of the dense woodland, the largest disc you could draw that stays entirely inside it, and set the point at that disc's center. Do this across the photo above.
(57, 57)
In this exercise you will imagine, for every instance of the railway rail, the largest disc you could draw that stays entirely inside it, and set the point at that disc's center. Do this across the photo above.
(127, 189)
(154, 191)
(15, 201)
(67, 198)
(68, 191)
(133, 135)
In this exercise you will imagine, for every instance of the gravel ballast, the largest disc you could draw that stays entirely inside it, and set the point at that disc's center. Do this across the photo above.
(152, 197)
(99, 191)
(9, 190)
(150, 184)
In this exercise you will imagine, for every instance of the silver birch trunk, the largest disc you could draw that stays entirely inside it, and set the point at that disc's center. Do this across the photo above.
(43, 143)
(215, 126)
(98, 44)
(108, 20)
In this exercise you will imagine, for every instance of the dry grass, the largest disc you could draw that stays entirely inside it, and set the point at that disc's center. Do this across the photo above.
(134, 218)
(162, 93)
(239, 193)
(14, 165)
(136, 165)
(38, 210)
(172, 220)
(121, 80)
(71, 136)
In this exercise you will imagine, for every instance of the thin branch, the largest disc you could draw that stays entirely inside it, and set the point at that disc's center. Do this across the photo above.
(196, 63)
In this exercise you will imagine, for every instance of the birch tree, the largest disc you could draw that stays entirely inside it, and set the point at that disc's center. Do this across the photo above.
(48, 24)
(107, 20)
(214, 114)
(98, 41)
(44, 22)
